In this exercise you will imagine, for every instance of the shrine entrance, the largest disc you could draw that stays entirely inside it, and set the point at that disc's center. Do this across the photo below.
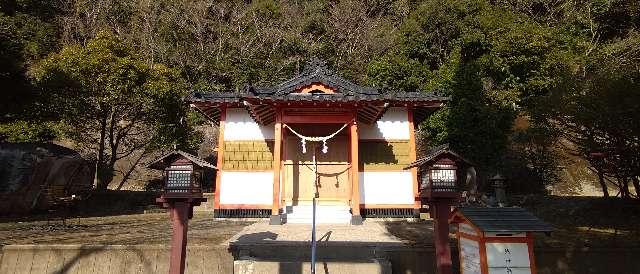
(333, 185)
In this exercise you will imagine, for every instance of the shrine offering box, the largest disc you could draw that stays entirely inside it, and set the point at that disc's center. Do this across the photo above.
(495, 240)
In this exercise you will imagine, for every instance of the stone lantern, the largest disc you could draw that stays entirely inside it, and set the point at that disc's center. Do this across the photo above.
(498, 183)
(439, 187)
(182, 190)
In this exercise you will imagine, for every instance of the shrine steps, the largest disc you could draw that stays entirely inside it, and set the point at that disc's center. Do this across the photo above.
(325, 214)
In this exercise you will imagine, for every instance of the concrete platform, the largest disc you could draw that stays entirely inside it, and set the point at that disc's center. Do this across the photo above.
(263, 233)
(253, 266)
(341, 248)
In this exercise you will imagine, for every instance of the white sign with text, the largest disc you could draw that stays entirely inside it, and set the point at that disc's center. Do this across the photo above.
(470, 256)
(508, 258)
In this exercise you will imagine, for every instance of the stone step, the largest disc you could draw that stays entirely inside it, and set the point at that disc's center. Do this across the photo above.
(319, 213)
(318, 221)
(309, 208)
(325, 214)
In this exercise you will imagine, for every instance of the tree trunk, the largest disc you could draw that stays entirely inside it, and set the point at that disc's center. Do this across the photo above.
(102, 180)
(636, 185)
(603, 184)
(131, 168)
(624, 187)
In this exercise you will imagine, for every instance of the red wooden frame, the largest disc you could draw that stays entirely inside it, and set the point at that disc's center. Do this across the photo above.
(355, 167)
(220, 155)
(277, 163)
(483, 240)
(412, 158)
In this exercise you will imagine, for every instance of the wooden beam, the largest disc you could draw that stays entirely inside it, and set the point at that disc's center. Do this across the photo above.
(369, 110)
(220, 155)
(261, 110)
(381, 111)
(317, 119)
(208, 112)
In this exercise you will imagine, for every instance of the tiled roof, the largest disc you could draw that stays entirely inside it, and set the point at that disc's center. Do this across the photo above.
(316, 71)
(160, 163)
(433, 153)
(259, 101)
(503, 219)
(315, 97)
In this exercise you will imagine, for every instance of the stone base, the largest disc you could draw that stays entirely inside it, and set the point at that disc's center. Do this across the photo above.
(356, 220)
(275, 220)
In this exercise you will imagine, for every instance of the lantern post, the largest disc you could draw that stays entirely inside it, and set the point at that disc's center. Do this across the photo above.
(182, 190)
(439, 189)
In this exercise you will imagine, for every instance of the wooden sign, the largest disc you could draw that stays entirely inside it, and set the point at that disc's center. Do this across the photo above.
(470, 256)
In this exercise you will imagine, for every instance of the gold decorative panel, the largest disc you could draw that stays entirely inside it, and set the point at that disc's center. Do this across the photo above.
(248, 155)
(383, 155)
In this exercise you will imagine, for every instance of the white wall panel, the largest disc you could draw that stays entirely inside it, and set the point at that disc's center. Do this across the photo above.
(254, 188)
(392, 187)
(393, 125)
(239, 126)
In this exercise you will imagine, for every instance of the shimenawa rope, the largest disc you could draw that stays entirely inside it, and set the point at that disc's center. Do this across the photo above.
(322, 139)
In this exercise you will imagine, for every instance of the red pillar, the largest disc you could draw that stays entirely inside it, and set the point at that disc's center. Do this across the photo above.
(441, 211)
(356, 218)
(179, 221)
(275, 218)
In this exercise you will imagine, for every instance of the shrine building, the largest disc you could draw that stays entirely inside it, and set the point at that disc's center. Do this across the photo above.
(361, 137)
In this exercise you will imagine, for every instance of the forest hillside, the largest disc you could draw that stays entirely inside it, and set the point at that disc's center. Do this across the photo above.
(546, 92)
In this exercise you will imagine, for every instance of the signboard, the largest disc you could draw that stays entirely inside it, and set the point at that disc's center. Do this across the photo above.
(508, 258)
(469, 256)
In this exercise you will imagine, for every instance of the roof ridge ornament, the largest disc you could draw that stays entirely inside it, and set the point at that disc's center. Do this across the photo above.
(315, 64)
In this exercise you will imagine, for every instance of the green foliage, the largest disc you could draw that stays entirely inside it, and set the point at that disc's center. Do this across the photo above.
(112, 102)
(25, 36)
(21, 131)
(496, 63)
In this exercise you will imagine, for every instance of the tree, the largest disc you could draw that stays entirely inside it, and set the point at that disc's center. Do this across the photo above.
(27, 34)
(111, 102)
(494, 63)
(601, 117)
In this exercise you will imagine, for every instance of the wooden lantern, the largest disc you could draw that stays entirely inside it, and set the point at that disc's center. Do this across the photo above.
(438, 173)
(440, 189)
(182, 174)
(182, 191)
(440, 179)
(496, 240)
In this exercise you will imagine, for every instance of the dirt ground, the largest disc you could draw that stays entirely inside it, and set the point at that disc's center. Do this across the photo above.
(153, 228)
(578, 222)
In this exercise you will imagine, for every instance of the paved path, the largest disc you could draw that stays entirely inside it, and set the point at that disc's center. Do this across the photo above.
(262, 232)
